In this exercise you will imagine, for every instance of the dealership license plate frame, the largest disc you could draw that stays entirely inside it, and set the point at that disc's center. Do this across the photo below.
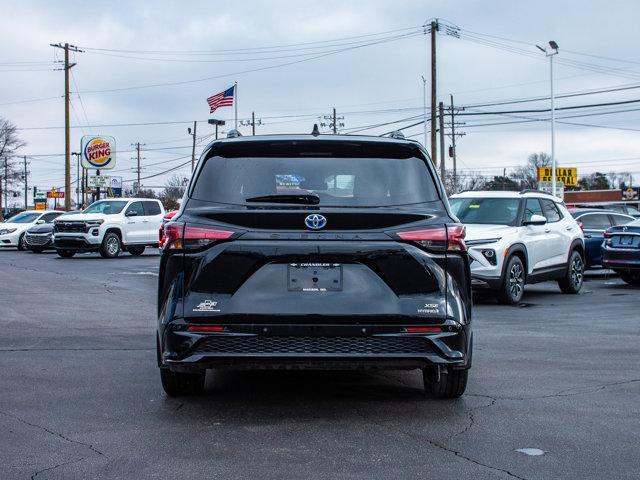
(626, 240)
(314, 277)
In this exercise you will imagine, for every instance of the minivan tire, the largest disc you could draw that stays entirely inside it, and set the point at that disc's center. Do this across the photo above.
(512, 287)
(111, 246)
(630, 278)
(136, 250)
(451, 384)
(176, 384)
(574, 276)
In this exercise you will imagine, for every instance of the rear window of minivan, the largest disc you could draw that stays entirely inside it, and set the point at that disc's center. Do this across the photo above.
(338, 181)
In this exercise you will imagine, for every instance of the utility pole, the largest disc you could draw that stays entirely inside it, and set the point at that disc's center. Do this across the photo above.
(442, 169)
(424, 111)
(193, 149)
(26, 203)
(138, 168)
(67, 131)
(453, 146)
(248, 123)
(453, 153)
(334, 121)
(434, 139)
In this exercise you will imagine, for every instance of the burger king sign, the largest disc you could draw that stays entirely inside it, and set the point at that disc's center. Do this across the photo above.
(98, 152)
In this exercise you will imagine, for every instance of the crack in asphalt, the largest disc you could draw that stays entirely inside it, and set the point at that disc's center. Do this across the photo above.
(470, 414)
(592, 389)
(567, 392)
(59, 435)
(55, 434)
(433, 443)
(56, 466)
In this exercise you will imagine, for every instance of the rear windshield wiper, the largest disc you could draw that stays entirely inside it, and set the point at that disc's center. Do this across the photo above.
(287, 198)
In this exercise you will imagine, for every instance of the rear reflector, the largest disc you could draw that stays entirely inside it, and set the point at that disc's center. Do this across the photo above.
(205, 328)
(179, 236)
(450, 237)
(422, 329)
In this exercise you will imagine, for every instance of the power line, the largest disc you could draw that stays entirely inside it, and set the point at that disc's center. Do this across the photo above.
(251, 70)
(236, 50)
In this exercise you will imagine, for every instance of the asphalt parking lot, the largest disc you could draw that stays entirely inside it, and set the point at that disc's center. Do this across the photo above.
(81, 396)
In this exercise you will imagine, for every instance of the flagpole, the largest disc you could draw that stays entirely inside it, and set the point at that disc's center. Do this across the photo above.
(235, 93)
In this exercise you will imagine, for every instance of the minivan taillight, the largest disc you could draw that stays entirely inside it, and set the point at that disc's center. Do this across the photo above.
(449, 237)
(185, 237)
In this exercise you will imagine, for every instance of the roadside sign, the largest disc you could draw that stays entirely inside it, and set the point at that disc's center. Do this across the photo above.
(40, 203)
(116, 186)
(102, 181)
(98, 152)
(55, 194)
(567, 175)
(631, 193)
(548, 186)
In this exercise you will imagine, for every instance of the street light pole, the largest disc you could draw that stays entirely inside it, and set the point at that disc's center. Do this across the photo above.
(551, 53)
(553, 128)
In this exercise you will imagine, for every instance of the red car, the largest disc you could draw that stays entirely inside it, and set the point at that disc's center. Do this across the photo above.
(165, 220)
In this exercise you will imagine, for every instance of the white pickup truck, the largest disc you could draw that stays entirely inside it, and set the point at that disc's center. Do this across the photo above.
(110, 226)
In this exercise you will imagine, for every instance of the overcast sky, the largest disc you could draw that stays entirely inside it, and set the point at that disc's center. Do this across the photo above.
(369, 85)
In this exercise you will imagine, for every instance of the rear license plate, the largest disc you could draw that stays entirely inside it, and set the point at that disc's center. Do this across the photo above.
(626, 240)
(314, 277)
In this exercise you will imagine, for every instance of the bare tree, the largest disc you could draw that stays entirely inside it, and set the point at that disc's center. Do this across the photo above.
(450, 186)
(10, 172)
(174, 187)
(527, 176)
(618, 179)
(473, 181)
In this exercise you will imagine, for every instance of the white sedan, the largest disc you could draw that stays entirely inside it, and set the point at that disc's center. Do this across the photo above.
(12, 231)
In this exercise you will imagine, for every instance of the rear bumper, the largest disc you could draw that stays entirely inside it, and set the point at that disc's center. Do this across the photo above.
(621, 258)
(257, 346)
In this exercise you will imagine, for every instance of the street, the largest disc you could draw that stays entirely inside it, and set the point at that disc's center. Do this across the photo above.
(81, 395)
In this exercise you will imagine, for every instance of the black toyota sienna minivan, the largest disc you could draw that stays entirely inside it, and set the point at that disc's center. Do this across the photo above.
(317, 252)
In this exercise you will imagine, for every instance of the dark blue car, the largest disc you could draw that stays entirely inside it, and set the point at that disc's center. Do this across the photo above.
(621, 251)
(594, 223)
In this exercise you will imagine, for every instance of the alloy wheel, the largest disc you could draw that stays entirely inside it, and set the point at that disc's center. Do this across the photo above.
(577, 269)
(516, 281)
(112, 245)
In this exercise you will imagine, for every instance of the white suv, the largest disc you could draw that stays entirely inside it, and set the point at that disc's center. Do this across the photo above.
(109, 227)
(519, 238)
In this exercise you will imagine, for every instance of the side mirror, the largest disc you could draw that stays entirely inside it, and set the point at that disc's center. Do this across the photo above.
(40, 222)
(535, 220)
(131, 213)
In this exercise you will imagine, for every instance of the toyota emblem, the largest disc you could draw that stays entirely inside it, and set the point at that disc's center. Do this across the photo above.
(315, 221)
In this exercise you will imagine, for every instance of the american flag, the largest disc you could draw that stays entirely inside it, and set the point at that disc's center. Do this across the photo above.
(222, 99)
